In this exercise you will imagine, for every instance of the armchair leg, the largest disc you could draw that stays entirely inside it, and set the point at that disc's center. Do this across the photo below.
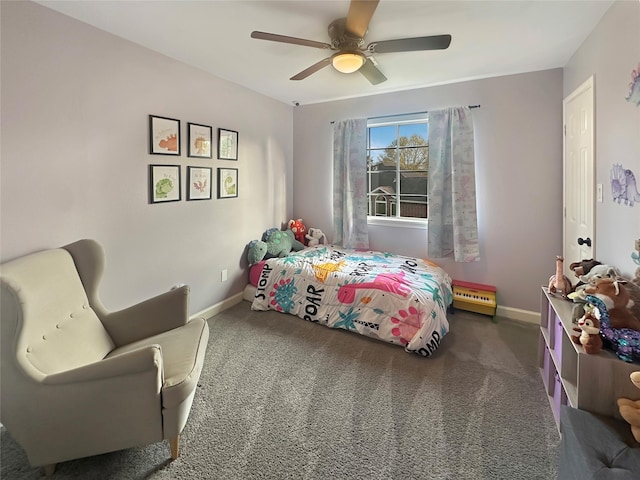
(175, 447)
(49, 469)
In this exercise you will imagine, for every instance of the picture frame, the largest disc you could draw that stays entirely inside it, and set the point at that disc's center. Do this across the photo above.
(199, 183)
(164, 136)
(227, 144)
(199, 140)
(164, 183)
(227, 182)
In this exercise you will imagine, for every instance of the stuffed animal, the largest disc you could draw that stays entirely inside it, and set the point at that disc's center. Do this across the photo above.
(625, 342)
(630, 409)
(559, 283)
(314, 236)
(256, 250)
(616, 298)
(275, 243)
(583, 267)
(589, 326)
(299, 230)
(589, 277)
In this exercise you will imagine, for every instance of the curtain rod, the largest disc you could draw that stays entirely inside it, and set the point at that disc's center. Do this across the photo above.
(414, 113)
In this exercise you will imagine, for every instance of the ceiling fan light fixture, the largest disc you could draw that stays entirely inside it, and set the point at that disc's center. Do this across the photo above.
(348, 62)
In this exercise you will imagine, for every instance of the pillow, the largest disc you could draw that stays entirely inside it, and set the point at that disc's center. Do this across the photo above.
(254, 273)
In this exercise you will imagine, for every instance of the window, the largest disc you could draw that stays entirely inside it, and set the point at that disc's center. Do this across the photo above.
(398, 166)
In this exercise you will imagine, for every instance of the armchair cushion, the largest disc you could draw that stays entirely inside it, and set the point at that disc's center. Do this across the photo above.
(182, 352)
(48, 288)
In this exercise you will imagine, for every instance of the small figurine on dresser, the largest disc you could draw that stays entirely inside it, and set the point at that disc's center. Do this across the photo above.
(559, 284)
(589, 326)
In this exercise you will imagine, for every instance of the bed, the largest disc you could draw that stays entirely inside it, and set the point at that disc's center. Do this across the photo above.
(388, 297)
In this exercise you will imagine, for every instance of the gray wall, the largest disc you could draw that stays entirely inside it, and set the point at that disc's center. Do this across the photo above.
(74, 159)
(610, 53)
(518, 146)
(75, 102)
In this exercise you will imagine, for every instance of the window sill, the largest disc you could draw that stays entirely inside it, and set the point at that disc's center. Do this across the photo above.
(419, 224)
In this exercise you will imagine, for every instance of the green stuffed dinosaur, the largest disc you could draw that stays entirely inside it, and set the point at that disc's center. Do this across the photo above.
(274, 243)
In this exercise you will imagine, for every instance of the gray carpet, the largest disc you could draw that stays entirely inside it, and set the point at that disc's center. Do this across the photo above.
(281, 398)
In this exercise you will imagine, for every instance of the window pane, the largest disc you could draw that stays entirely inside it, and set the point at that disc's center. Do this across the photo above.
(413, 182)
(414, 158)
(417, 129)
(380, 137)
(383, 159)
(413, 209)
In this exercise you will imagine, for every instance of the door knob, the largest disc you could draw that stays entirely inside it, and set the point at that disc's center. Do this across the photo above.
(584, 241)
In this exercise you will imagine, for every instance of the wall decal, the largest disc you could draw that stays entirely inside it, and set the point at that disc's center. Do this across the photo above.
(634, 87)
(623, 185)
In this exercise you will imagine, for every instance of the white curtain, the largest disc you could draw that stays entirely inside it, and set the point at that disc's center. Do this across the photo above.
(452, 221)
(350, 184)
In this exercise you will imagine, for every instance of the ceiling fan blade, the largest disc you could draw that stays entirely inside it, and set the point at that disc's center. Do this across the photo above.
(285, 39)
(371, 73)
(359, 16)
(312, 69)
(434, 42)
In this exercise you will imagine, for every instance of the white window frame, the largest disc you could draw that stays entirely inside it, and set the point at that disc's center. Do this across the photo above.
(403, 222)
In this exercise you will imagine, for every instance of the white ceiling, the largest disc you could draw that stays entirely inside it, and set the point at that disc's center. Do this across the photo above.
(490, 38)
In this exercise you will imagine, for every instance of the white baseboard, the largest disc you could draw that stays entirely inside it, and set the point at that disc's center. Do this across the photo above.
(518, 314)
(209, 312)
(505, 312)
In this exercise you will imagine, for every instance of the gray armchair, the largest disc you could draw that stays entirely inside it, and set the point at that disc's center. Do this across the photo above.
(78, 380)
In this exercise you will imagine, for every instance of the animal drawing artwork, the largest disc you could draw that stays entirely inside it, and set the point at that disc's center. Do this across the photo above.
(169, 143)
(589, 326)
(634, 87)
(623, 185)
(560, 283)
(200, 186)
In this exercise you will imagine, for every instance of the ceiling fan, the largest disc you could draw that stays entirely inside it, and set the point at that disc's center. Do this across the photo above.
(347, 40)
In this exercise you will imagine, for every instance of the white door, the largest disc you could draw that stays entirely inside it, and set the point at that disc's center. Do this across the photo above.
(578, 229)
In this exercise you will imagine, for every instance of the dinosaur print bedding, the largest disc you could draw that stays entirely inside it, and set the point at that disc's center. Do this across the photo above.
(388, 297)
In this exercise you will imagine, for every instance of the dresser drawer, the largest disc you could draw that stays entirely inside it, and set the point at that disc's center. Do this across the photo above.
(559, 397)
(548, 371)
(558, 334)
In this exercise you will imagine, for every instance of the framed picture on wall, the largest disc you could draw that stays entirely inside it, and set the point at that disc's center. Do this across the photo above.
(227, 144)
(199, 138)
(164, 136)
(164, 183)
(199, 183)
(227, 182)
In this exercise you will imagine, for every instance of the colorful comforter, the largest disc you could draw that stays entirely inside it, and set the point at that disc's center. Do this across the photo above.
(389, 297)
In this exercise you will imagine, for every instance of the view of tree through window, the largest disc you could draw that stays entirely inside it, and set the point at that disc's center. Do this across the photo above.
(398, 166)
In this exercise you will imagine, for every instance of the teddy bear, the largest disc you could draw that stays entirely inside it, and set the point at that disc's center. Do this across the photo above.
(630, 409)
(274, 243)
(616, 298)
(299, 230)
(314, 236)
